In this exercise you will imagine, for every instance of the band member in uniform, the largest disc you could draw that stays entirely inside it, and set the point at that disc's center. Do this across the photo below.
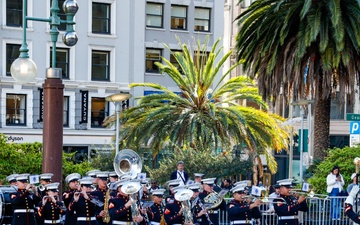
(22, 202)
(72, 181)
(173, 210)
(50, 210)
(172, 184)
(120, 207)
(100, 193)
(287, 206)
(349, 202)
(272, 196)
(92, 174)
(208, 185)
(45, 179)
(113, 178)
(11, 179)
(155, 211)
(241, 211)
(198, 177)
(83, 204)
(198, 209)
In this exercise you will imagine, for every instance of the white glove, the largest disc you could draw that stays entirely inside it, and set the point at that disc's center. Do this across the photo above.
(354, 191)
(352, 195)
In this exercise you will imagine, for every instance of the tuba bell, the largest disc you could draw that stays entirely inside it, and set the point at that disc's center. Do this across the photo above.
(127, 161)
(184, 196)
(131, 188)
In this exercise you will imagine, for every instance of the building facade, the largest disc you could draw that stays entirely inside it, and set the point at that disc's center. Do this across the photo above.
(119, 41)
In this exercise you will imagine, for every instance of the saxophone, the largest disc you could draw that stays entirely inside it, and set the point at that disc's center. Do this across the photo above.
(106, 218)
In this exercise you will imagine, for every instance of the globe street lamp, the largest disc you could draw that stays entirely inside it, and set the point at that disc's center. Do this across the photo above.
(24, 70)
(117, 99)
(301, 141)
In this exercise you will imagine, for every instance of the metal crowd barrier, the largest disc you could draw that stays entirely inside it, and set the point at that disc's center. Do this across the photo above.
(318, 214)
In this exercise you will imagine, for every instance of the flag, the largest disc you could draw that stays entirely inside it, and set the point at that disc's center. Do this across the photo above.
(305, 187)
(34, 179)
(256, 191)
(142, 176)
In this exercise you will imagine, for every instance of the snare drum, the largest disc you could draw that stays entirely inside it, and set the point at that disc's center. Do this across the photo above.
(6, 211)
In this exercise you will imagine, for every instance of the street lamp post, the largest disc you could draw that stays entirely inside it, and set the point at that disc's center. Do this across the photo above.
(24, 70)
(117, 99)
(302, 103)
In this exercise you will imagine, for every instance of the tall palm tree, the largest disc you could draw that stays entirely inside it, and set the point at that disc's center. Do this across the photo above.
(204, 114)
(305, 47)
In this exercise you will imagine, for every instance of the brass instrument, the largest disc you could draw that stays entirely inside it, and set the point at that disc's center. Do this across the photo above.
(213, 198)
(41, 187)
(197, 200)
(127, 161)
(131, 188)
(184, 196)
(106, 218)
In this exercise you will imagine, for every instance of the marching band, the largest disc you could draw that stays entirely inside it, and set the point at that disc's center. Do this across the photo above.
(106, 198)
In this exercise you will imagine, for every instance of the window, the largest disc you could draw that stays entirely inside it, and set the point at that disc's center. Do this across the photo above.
(201, 58)
(62, 61)
(174, 61)
(152, 56)
(99, 111)
(14, 13)
(154, 15)
(178, 17)
(61, 14)
(101, 18)
(100, 66)
(15, 109)
(202, 19)
(66, 111)
(12, 53)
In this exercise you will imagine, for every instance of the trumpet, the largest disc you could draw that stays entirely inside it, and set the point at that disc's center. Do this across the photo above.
(41, 187)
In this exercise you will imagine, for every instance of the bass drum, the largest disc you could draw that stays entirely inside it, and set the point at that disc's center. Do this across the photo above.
(6, 211)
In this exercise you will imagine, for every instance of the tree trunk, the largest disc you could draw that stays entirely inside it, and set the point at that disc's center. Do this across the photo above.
(321, 124)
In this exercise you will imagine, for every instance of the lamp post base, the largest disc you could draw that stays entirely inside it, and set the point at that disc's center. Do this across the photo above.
(53, 128)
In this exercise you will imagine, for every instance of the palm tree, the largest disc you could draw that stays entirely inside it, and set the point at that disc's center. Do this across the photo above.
(204, 115)
(306, 48)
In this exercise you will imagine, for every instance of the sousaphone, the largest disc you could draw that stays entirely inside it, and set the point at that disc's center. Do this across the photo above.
(127, 161)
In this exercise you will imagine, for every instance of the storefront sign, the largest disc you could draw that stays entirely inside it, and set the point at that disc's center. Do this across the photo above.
(84, 106)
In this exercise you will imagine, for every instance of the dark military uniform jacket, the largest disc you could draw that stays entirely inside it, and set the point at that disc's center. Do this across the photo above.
(196, 207)
(351, 214)
(51, 212)
(100, 194)
(23, 204)
(171, 213)
(287, 207)
(85, 211)
(155, 212)
(70, 216)
(240, 212)
(117, 209)
(213, 213)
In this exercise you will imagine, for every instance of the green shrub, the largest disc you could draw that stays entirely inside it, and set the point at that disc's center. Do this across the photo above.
(344, 158)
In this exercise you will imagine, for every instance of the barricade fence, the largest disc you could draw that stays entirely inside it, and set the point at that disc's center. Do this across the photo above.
(329, 210)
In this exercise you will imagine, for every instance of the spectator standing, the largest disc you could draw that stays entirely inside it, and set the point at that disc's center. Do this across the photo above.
(335, 183)
(350, 186)
(180, 174)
